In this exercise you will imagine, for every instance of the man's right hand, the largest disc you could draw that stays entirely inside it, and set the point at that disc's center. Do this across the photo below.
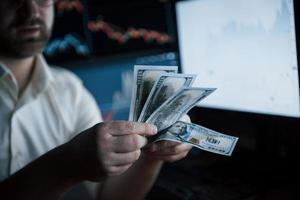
(108, 148)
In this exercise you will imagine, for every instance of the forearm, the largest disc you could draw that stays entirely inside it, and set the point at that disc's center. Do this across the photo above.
(45, 178)
(135, 183)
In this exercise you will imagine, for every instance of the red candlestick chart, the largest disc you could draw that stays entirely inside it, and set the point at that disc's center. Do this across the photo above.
(69, 5)
(114, 32)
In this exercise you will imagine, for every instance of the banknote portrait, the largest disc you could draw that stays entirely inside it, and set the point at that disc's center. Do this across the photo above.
(179, 129)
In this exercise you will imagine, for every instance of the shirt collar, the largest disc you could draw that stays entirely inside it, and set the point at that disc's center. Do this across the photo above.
(3, 70)
(40, 79)
(42, 75)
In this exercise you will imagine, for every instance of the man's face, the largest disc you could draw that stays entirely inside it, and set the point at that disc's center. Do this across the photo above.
(24, 31)
(178, 128)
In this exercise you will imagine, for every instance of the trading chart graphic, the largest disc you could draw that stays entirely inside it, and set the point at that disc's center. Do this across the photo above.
(69, 5)
(70, 42)
(116, 33)
(87, 28)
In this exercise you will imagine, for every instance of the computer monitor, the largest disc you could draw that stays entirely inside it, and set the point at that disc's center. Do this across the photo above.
(246, 49)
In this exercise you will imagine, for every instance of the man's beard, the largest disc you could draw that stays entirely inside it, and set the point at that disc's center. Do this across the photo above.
(14, 44)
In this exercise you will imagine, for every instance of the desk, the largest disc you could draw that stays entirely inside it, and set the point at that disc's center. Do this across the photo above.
(245, 176)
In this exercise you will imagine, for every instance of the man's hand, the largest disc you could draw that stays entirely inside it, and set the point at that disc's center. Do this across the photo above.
(107, 149)
(137, 181)
(168, 150)
(120, 143)
(110, 148)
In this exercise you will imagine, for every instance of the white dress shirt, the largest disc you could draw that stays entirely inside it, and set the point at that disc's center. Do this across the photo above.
(53, 108)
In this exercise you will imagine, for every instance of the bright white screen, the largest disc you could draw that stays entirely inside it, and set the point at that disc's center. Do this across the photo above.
(246, 49)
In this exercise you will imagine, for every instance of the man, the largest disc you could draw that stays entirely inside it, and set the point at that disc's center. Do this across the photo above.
(51, 135)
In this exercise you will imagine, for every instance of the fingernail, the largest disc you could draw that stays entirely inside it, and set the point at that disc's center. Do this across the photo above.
(145, 141)
(154, 129)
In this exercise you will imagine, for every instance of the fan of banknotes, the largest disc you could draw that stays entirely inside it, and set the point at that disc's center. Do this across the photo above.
(161, 96)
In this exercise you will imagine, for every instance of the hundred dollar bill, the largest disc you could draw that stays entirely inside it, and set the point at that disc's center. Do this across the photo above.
(164, 87)
(200, 137)
(177, 105)
(143, 80)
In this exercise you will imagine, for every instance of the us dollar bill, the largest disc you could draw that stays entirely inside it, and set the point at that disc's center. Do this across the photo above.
(177, 105)
(166, 85)
(144, 78)
(200, 137)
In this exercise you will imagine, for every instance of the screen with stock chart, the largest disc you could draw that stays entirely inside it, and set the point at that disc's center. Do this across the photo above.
(87, 29)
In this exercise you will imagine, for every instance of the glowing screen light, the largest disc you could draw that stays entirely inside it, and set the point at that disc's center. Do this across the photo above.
(246, 49)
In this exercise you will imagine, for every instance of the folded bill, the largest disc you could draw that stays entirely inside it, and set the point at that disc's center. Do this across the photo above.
(166, 86)
(200, 137)
(143, 81)
(177, 105)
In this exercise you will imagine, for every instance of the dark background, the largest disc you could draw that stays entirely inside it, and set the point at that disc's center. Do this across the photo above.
(264, 164)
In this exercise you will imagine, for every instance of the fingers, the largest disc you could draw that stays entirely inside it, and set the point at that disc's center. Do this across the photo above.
(166, 149)
(124, 128)
(118, 159)
(119, 144)
(185, 118)
(127, 143)
(122, 137)
(117, 170)
(161, 145)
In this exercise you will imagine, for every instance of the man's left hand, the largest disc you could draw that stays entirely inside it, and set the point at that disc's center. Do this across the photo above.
(168, 150)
